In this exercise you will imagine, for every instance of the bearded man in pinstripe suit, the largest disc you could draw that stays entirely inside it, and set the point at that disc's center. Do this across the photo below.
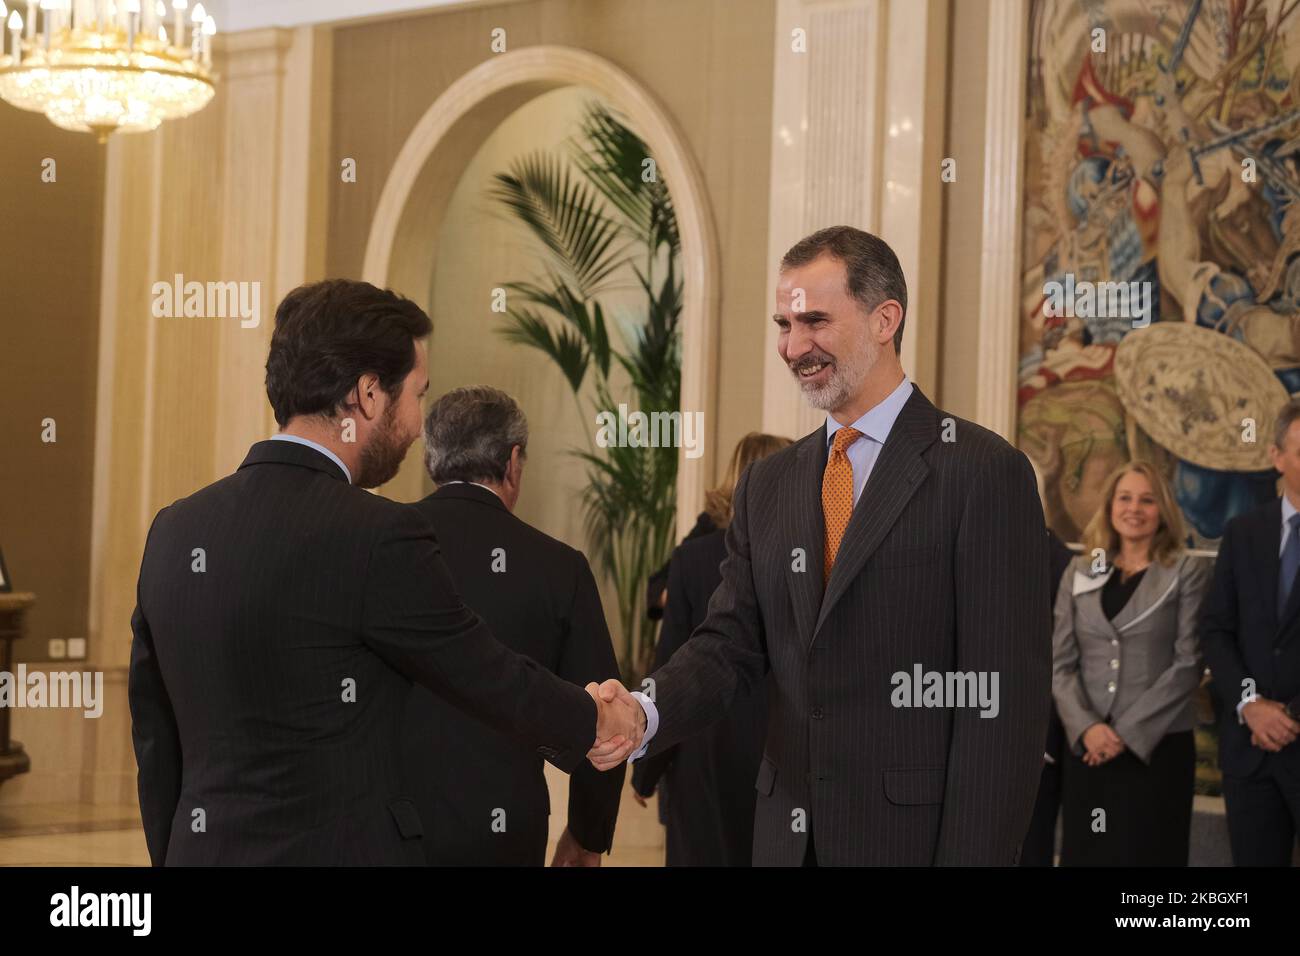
(880, 570)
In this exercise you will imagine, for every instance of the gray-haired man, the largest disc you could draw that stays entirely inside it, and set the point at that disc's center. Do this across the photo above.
(482, 794)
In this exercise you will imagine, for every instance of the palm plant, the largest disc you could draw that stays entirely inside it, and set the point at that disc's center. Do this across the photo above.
(601, 214)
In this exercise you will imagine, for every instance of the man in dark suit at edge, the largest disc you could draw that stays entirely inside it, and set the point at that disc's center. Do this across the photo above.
(1250, 635)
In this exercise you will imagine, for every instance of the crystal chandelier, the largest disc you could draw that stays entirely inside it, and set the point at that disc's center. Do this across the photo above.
(105, 66)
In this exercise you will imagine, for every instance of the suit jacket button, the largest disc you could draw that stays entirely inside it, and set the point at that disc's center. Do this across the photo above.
(1114, 664)
(1111, 687)
(817, 713)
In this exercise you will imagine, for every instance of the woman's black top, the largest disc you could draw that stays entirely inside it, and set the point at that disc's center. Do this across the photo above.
(1115, 593)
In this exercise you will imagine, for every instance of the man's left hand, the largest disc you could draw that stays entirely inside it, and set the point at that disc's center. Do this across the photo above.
(569, 852)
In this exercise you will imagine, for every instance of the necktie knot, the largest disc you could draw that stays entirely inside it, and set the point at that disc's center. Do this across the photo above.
(845, 437)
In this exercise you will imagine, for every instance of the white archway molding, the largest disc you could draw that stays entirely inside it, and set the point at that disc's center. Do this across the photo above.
(404, 234)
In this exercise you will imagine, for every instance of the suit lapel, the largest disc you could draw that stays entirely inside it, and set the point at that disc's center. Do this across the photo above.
(1268, 542)
(1087, 603)
(898, 472)
(1088, 607)
(808, 531)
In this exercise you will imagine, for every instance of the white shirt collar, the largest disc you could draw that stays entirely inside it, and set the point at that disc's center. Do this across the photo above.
(458, 482)
(298, 440)
(879, 420)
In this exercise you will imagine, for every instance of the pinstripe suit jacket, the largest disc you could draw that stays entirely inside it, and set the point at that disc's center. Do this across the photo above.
(267, 688)
(943, 564)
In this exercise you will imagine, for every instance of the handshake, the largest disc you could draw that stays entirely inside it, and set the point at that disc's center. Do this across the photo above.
(620, 724)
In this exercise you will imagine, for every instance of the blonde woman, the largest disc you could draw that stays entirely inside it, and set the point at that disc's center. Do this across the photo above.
(1126, 662)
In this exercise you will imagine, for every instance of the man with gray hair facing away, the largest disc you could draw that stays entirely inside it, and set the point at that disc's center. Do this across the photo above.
(482, 794)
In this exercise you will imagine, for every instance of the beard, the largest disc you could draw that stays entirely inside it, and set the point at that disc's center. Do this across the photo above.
(845, 377)
(383, 454)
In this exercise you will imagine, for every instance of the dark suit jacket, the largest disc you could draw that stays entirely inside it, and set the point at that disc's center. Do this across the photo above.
(659, 580)
(709, 789)
(481, 793)
(266, 689)
(1241, 636)
(941, 565)
(1060, 555)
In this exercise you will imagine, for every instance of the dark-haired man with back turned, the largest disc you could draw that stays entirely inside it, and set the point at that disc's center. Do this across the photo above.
(539, 598)
(282, 614)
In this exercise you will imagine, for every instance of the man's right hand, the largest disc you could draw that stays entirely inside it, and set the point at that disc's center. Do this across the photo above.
(1270, 727)
(620, 724)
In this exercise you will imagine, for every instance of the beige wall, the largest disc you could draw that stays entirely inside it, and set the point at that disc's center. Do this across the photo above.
(49, 310)
(707, 61)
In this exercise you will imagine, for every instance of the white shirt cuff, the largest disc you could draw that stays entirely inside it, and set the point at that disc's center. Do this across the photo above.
(651, 723)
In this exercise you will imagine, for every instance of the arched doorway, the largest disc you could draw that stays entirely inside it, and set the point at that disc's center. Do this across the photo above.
(405, 232)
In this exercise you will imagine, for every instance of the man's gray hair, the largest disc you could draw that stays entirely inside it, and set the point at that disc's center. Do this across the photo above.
(1289, 413)
(469, 433)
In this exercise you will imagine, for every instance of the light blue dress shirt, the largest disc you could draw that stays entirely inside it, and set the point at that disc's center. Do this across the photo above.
(875, 426)
(320, 448)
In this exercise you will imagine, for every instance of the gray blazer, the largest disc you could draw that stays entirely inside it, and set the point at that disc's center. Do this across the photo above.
(1138, 673)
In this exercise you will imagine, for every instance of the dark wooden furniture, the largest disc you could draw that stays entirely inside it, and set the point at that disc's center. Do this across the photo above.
(13, 607)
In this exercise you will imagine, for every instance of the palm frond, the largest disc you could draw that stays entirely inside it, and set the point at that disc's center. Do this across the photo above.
(614, 159)
(586, 316)
(591, 226)
(565, 348)
(566, 215)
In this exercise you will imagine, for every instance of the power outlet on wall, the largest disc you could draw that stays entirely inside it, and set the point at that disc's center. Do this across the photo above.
(77, 647)
(58, 648)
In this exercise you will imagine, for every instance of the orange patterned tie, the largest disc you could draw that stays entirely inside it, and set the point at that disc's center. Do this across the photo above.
(837, 495)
